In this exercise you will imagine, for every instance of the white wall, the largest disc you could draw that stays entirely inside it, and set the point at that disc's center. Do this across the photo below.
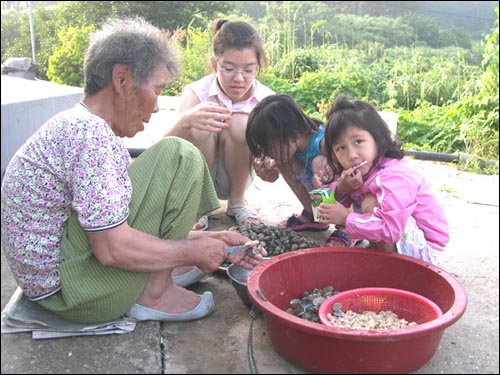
(158, 125)
(26, 105)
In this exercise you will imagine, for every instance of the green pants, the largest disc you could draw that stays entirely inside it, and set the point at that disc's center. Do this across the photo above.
(172, 188)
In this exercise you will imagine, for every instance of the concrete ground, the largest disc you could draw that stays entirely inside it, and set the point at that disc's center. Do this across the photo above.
(219, 344)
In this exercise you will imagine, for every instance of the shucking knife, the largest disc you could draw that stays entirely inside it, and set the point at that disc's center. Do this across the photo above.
(249, 245)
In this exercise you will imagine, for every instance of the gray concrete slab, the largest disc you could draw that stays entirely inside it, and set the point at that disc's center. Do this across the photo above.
(26, 105)
(219, 343)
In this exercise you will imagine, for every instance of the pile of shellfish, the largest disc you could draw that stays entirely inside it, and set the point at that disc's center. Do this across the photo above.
(276, 240)
(308, 305)
(368, 320)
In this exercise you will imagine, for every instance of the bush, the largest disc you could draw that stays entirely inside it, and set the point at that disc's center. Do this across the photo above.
(194, 46)
(66, 62)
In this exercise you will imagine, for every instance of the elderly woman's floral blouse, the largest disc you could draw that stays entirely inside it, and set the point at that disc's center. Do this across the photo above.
(73, 163)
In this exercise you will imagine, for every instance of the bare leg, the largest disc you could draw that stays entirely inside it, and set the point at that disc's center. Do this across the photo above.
(182, 270)
(299, 190)
(206, 142)
(162, 294)
(236, 156)
(383, 246)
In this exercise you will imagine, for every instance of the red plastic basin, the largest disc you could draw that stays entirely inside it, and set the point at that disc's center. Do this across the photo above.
(322, 349)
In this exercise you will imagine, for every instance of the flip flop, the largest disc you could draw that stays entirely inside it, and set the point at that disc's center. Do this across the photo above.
(295, 224)
(338, 239)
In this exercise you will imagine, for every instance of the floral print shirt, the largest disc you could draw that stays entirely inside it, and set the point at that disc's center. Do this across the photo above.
(74, 162)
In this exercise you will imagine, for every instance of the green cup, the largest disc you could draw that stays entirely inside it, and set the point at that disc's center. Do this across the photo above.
(318, 196)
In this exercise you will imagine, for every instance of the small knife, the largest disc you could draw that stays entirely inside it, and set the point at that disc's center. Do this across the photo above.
(236, 249)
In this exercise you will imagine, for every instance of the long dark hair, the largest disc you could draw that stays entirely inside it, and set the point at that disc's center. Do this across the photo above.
(345, 113)
(277, 117)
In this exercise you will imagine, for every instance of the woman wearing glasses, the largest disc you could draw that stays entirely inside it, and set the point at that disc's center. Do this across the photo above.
(213, 114)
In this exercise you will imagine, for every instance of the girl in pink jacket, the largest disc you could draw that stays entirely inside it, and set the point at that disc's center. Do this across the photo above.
(397, 210)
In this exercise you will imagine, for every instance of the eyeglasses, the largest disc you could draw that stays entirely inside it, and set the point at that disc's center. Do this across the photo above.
(231, 72)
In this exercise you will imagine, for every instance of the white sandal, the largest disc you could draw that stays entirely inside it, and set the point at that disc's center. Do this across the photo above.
(241, 213)
(204, 223)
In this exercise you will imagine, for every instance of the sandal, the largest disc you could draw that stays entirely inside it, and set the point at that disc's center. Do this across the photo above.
(204, 223)
(338, 239)
(241, 213)
(297, 225)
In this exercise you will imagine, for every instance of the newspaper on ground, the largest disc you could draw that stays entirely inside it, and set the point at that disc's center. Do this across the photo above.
(22, 315)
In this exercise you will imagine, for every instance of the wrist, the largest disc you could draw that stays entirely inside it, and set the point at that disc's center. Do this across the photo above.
(340, 192)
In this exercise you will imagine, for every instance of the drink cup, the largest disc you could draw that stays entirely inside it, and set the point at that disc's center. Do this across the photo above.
(318, 196)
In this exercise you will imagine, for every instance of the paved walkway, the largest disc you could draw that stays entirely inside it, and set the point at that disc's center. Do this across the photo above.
(218, 344)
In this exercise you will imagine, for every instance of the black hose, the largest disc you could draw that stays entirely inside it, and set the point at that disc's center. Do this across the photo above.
(250, 353)
(420, 155)
(461, 158)
(433, 156)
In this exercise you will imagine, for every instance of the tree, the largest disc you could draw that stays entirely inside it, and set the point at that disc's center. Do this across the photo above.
(169, 15)
(174, 15)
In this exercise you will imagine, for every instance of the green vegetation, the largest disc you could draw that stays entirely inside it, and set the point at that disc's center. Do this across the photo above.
(442, 82)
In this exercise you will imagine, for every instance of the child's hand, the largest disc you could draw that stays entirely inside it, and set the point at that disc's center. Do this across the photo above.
(208, 117)
(351, 179)
(322, 172)
(321, 177)
(266, 169)
(317, 180)
(333, 213)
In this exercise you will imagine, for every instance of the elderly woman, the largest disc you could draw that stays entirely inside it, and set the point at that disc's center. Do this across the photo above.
(91, 236)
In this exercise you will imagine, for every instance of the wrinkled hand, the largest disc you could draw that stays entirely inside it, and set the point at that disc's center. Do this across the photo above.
(247, 259)
(266, 169)
(207, 116)
(210, 253)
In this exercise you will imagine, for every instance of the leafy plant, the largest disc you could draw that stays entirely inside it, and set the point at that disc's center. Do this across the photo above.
(66, 62)
(194, 46)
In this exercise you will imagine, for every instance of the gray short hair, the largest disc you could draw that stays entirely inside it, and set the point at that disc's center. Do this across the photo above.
(132, 42)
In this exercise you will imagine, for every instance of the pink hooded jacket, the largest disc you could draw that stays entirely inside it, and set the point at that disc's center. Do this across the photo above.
(401, 192)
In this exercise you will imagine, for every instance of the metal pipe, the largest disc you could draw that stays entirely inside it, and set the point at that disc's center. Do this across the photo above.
(32, 30)
(433, 156)
(461, 157)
